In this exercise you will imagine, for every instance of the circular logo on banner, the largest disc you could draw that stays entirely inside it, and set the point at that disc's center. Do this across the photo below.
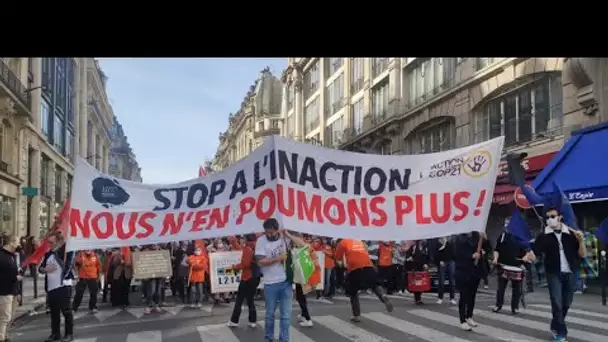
(520, 199)
(478, 163)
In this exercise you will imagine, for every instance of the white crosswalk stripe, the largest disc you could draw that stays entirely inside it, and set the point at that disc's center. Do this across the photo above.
(348, 330)
(420, 331)
(571, 311)
(294, 334)
(217, 333)
(145, 336)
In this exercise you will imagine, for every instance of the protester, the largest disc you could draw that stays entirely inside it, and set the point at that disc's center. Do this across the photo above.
(89, 269)
(468, 274)
(361, 274)
(57, 266)
(121, 281)
(271, 253)
(250, 279)
(329, 269)
(508, 256)
(153, 290)
(180, 272)
(385, 264)
(315, 278)
(446, 269)
(562, 249)
(9, 273)
(198, 265)
(417, 260)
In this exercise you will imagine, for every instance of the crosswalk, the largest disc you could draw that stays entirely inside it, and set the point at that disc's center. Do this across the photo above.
(434, 323)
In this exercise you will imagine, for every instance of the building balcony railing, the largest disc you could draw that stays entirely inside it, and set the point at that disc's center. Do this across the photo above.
(266, 132)
(12, 83)
(95, 106)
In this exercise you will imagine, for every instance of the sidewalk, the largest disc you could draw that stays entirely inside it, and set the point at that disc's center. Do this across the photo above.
(31, 304)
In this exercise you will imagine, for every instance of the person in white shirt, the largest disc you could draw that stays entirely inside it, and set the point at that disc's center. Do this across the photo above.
(57, 265)
(271, 252)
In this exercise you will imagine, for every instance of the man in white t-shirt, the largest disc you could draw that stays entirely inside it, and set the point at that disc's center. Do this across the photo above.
(271, 252)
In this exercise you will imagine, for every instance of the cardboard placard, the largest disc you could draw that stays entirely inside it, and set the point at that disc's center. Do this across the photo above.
(152, 264)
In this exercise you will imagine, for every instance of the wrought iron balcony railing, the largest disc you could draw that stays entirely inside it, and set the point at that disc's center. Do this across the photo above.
(12, 82)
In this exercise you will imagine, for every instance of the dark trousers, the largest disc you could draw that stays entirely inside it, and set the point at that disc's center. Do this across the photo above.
(515, 296)
(246, 293)
(384, 276)
(466, 302)
(106, 288)
(447, 270)
(60, 303)
(561, 292)
(396, 279)
(180, 288)
(301, 298)
(119, 294)
(93, 287)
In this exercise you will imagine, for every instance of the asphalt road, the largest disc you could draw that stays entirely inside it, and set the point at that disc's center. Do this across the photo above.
(408, 322)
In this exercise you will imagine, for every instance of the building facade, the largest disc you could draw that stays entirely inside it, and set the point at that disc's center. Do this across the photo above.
(425, 105)
(258, 116)
(53, 109)
(123, 163)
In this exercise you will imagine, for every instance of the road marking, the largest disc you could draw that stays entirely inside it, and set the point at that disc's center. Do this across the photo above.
(92, 339)
(531, 324)
(145, 336)
(348, 330)
(574, 311)
(569, 319)
(216, 333)
(294, 334)
(137, 312)
(207, 308)
(420, 331)
(501, 334)
(173, 311)
(103, 315)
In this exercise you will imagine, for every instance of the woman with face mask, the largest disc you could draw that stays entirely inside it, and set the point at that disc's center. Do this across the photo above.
(198, 264)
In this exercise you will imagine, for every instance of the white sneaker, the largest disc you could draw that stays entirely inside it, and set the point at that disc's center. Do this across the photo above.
(300, 318)
(306, 323)
(453, 302)
(439, 301)
(465, 326)
(199, 305)
(471, 322)
(146, 310)
(231, 324)
(252, 325)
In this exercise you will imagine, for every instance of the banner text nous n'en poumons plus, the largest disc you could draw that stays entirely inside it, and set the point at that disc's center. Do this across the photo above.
(310, 189)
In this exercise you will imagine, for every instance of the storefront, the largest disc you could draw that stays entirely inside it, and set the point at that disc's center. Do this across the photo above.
(8, 205)
(580, 169)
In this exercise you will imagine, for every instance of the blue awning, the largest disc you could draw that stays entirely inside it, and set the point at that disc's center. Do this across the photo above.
(580, 168)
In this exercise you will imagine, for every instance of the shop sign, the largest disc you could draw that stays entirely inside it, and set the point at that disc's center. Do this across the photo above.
(29, 192)
(531, 164)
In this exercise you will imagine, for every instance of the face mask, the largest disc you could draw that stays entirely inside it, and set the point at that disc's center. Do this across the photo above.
(88, 252)
(553, 222)
(197, 253)
(220, 245)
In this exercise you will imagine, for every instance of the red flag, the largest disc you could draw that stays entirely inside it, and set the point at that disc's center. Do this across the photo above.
(201, 171)
(60, 224)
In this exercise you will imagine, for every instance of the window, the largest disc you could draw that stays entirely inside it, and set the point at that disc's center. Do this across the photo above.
(3, 144)
(311, 115)
(291, 125)
(44, 176)
(47, 75)
(97, 148)
(58, 134)
(357, 74)
(71, 102)
(333, 64)
(45, 120)
(430, 78)
(58, 183)
(379, 65)
(380, 100)
(481, 63)
(311, 80)
(60, 84)
(530, 112)
(7, 214)
(261, 126)
(290, 96)
(69, 186)
(333, 133)
(436, 138)
(335, 95)
(90, 151)
(358, 114)
(69, 145)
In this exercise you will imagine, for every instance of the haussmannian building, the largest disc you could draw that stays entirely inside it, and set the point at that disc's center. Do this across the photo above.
(258, 116)
(51, 109)
(424, 105)
(123, 162)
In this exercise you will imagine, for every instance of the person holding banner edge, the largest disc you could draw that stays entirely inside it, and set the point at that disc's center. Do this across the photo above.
(271, 253)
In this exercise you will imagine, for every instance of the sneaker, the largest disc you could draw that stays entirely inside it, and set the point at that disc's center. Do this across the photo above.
(496, 309)
(68, 338)
(306, 323)
(471, 322)
(252, 325)
(199, 305)
(485, 287)
(515, 311)
(453, 302)
(231, 324)
(355, 319)
(465, 326)
(94, 311)
(388, 305)
(439, 301)
(300, 318)
(147, 311)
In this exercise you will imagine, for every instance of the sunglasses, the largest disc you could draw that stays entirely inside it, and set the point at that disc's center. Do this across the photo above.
(552, 216)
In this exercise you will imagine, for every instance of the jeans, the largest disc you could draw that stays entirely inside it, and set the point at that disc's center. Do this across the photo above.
(196, 295)
(93, 287)
(328, 284)
(153, 292)
(561, 292)
(447, 270)
(279, 294)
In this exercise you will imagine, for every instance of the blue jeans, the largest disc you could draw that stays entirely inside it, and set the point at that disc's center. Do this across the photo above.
(561, 292)
(279, 294)
(448, 269)
(328, 284)
(153, 293)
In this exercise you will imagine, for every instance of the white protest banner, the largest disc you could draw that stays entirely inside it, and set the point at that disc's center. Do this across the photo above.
(222, 277)
(309, 189)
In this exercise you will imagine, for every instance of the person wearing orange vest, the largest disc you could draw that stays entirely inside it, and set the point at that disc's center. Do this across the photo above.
(385, 262)
(361, 274)
(89, 271)
(198, 264)
(250, 279)
(330, 264)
